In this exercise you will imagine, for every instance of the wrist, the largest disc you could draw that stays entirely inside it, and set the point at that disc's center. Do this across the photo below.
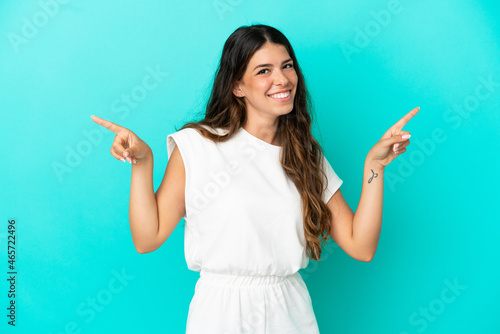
(145, 161)
(371, 163)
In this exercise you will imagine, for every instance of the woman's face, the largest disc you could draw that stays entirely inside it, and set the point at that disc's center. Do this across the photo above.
(270, 70)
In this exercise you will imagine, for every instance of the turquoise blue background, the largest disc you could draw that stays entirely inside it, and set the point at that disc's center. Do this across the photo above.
(69, 196)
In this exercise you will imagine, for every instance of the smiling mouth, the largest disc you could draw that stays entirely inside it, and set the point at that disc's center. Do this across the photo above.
(281, 96)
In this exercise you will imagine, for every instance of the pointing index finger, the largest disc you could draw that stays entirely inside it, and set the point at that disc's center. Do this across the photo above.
(107, 124)
(402, 122)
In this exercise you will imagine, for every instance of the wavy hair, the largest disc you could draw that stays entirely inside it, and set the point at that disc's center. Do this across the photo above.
(301, 154)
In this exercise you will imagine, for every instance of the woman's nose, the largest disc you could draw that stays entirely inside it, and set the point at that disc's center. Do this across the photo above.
(280, 78)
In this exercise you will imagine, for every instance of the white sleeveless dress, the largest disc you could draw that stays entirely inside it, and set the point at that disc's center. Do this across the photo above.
(244, 234)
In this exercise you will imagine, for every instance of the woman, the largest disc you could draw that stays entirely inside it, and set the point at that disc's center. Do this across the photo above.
(258, 196)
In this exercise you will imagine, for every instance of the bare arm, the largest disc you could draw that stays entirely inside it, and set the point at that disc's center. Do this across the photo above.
(143, 210)
(358, 233)
(154, 216)
(367, 222)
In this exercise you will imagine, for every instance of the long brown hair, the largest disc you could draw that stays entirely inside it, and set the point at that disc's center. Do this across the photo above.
(300, 153)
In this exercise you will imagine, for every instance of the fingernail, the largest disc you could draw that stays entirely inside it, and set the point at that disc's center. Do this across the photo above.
(125, 154)
(406, 136)
(128, 159)
(122, 159)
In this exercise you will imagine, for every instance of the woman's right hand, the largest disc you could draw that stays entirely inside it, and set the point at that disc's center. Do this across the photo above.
(126, 145)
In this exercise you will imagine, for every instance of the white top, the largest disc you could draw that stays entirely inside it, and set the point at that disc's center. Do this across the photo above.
(243, 215)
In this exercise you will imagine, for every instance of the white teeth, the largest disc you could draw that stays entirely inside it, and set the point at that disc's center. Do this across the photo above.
(281, 95)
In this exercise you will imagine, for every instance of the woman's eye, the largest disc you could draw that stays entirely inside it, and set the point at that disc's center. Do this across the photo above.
(291, 65)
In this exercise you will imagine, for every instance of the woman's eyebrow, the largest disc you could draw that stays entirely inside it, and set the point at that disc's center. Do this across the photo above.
(265, 65)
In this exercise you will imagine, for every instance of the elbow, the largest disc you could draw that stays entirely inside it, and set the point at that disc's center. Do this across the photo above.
(367, 257)
(143, 250)
(365, 254)
(145, 245)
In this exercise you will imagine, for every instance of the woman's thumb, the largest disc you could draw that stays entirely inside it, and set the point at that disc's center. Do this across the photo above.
(128, 152)
(400, 137)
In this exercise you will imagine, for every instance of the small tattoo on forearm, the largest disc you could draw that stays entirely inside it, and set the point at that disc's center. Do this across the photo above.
(373, 175)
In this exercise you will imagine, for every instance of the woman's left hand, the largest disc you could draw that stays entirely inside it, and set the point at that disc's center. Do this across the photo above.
(392, 142)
